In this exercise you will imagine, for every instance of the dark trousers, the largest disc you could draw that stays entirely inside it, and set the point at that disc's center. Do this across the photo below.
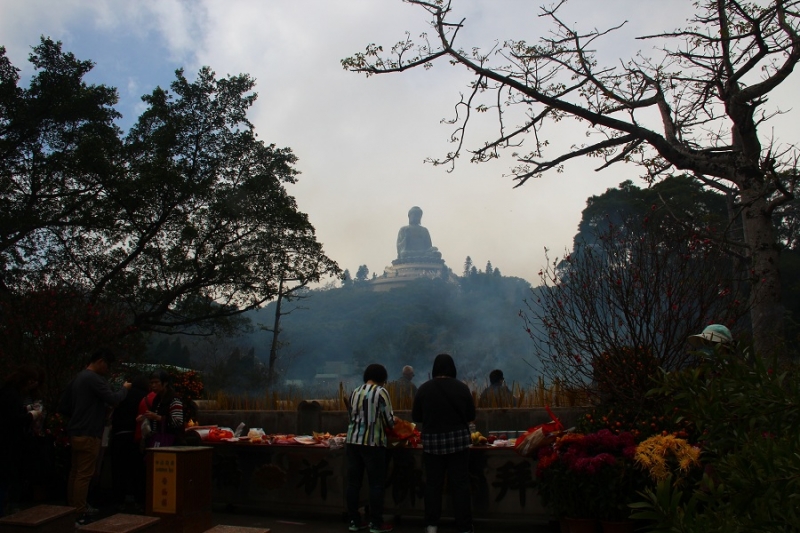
(371, 459)
(4, 486)
(454, 466)
(127, 468)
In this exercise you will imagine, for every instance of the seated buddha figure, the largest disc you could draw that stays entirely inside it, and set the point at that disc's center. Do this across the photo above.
(414, 242)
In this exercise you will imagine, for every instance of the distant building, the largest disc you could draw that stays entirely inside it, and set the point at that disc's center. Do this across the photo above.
(335, 372)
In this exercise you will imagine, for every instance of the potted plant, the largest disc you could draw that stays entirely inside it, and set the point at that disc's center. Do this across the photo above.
(589, 478)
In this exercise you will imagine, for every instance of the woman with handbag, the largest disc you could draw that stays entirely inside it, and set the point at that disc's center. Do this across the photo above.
(445, 408)
(164, 414)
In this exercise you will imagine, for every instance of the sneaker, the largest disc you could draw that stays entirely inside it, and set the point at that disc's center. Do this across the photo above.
(380, 528)
(91, 511)
(357, 526)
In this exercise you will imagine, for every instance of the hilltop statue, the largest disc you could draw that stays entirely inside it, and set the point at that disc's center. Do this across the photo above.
(414, 242)
(416, 257)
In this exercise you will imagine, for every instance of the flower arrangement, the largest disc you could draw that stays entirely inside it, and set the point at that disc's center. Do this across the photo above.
(589, 476)
(404, 434)
(187, 384)
(665, 455)
(55, 427)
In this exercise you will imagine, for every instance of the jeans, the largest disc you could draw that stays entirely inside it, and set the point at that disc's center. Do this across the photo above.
(373, 460)
(84, 461)
(455, 466)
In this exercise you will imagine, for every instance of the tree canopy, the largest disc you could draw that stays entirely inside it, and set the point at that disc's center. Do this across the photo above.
(638, 281)
(709, 92)
(180, 225)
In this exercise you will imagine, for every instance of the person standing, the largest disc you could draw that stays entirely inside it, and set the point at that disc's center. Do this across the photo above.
(497, 393)
(127, 465)
(444, 407)
(92, 396)
(371, 414)
(404, 389)
(16, 420)
(165, 413)
(713, 337)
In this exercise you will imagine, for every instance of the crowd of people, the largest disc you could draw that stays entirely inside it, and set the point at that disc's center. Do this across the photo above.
(148, 413)
(144, 412)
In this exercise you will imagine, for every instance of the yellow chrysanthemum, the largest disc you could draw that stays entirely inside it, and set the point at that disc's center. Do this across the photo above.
(657, 453)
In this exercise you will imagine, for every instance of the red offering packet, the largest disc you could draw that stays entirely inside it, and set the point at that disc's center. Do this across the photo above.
(538, 436)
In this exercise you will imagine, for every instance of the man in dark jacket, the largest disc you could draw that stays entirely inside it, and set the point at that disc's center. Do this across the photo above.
(497, 393)
(92, 396)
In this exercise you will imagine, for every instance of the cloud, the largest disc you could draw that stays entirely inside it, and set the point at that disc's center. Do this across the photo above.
(361, 142)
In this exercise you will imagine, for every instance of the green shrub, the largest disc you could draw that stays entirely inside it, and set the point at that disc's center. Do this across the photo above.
(747, 414)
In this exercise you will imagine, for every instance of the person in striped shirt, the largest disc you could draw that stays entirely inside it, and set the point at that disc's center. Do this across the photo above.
(371, 415)
(165, 413)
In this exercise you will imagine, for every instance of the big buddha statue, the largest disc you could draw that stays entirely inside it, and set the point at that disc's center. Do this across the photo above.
(414, 242)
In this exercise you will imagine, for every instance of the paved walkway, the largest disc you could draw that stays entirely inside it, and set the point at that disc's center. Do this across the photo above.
(336, 524)
(316, 523)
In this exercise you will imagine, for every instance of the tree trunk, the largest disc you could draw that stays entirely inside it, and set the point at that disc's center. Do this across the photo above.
(766, 309)
(273, 350)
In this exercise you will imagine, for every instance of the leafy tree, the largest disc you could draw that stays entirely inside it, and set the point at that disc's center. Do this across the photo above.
(56, 330)
(179, 226)
(680, 204)
(619, 307)
(362, 274)
(709, 91)
(59, 150)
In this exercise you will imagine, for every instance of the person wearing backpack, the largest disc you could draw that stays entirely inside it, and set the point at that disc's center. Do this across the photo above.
(91, 396)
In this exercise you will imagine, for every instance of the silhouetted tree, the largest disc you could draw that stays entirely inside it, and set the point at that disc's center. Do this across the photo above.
(179, 226)
(620, 307)
(362, 274)
(709, 92)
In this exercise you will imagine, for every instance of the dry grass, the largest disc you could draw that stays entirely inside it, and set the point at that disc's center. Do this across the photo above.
(539, 395)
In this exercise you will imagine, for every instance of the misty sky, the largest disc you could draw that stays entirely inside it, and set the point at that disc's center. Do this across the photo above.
(361, 142)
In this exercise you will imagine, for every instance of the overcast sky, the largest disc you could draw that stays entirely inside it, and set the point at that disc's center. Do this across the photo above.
(361, 142)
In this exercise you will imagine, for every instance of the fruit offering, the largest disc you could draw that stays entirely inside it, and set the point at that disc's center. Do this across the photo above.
(478, 439)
